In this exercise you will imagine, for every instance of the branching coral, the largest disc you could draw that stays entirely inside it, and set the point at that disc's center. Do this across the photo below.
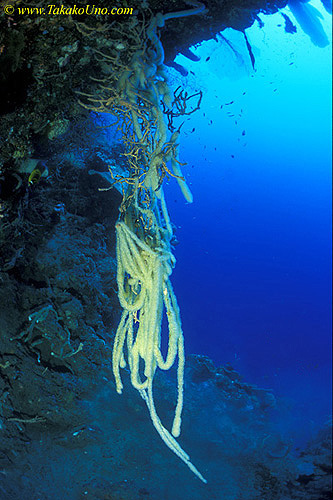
(46, 333)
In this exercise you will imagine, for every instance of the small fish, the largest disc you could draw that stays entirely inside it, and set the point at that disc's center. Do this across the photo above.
(243, 133)
(228, 103)
(207, 58)
(232, 156)
(34, 177)
(60, 208)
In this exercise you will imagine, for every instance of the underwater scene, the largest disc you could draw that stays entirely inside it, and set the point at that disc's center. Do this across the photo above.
(165, 250)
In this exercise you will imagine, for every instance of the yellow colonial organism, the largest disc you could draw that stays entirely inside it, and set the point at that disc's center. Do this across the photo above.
(138, 94)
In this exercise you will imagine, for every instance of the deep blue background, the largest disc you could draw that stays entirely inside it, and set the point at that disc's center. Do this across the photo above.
(253, 264)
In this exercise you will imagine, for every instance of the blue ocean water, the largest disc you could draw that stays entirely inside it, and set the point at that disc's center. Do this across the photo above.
(253, 264)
